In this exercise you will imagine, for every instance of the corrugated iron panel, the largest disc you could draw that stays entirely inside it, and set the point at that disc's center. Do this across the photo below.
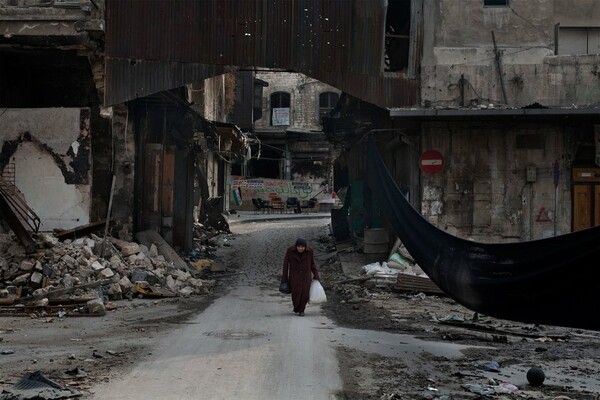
(181, 41)
(130, 79)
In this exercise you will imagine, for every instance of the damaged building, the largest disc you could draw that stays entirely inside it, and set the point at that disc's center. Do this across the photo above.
(488, 123)
(290, 159)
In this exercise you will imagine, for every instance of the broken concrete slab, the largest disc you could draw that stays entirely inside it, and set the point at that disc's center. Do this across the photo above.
(149, 238)
(96, 307)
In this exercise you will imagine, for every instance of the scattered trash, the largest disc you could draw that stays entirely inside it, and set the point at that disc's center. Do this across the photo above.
(36, 386)
(398, 262)
(377, 270)
(199, 264)
(452, 318)
(75, 373)
(491, 366)
(505, 388)
(143, 289)
(484, 390)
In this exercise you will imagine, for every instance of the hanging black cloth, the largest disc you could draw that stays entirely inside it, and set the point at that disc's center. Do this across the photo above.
(554, 281)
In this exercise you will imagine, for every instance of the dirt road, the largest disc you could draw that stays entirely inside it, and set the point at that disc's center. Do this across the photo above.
(244, 342)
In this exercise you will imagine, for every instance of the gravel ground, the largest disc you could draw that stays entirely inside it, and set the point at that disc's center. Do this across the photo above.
(105, 347)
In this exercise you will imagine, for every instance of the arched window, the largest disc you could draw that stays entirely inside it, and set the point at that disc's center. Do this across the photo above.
(280, 108)
(327, 102)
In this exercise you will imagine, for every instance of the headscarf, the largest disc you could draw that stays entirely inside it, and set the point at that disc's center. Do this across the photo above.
(300, 242)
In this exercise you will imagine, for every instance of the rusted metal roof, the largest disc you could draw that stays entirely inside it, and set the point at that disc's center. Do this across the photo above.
(339, 42)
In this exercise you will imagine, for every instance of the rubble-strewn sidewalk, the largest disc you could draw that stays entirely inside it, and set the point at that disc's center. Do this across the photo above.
(89, 271)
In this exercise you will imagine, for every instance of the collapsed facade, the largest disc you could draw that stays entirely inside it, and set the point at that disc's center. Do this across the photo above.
(489, 122)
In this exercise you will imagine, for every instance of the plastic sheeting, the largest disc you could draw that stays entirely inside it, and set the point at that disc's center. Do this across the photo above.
(554, 281)
(36, 386)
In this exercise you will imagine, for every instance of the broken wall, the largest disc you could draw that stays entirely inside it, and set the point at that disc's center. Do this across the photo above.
(120, 162)
(50, 149)
(484, 192)
(526, 34)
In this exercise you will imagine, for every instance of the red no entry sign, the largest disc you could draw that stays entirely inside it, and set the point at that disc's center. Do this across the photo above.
(431, 162)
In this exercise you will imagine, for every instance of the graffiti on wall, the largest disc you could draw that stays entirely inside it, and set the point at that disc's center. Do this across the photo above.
(265, 189)
(275, 187)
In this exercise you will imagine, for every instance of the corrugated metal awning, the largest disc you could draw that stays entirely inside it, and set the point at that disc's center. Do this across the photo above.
(423, 113)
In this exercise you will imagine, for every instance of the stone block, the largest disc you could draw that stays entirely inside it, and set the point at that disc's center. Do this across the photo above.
(96, 266)
(69, 261)
(107, 273)
(26, 265)
(195, 283)
(129, 249)
(87, 252)
(79, 242)
(125, 284)
(114, 292)
(96, 307)
(36, 278)
(171, 283)
(49, 240)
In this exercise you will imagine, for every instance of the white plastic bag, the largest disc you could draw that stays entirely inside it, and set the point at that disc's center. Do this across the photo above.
(316, 295)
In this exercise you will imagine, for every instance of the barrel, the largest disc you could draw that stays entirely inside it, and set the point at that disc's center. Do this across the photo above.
(375, 241)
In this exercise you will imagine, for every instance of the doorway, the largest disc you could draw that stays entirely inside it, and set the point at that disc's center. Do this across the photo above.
(586, 198)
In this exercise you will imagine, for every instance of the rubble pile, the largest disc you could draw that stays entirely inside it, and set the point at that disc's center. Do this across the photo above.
(115, 269)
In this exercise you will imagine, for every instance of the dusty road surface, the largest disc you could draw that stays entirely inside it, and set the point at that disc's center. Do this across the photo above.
(249, 344)
(244, 342)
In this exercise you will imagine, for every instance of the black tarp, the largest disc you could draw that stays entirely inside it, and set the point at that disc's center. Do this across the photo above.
(554, 281)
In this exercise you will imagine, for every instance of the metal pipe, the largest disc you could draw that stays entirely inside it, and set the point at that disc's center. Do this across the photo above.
(499, 67)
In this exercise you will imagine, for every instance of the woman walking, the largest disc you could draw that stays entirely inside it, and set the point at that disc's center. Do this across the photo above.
(299, 269)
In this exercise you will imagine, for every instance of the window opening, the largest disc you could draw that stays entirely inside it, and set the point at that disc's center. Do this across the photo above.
(495, 2)
(280, 109)
(397, 35)
(579, 40)
(327, 101)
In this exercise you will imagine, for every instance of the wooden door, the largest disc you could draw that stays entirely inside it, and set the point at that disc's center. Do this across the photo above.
(168, 178)
(582, 207)
(586, 198)
(151, 201)
(159, 175)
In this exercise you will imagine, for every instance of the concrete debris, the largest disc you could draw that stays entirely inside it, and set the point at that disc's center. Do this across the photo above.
(72, 267)
(96, 307)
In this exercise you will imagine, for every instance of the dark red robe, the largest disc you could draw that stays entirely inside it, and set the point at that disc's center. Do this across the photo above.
(298, 271)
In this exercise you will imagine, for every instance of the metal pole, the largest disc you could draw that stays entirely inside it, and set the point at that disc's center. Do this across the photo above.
(499, 67)
(110, 202)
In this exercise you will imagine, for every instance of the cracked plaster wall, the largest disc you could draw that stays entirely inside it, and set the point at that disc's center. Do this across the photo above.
(51, 152)
(482, 193)
(462, 44)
